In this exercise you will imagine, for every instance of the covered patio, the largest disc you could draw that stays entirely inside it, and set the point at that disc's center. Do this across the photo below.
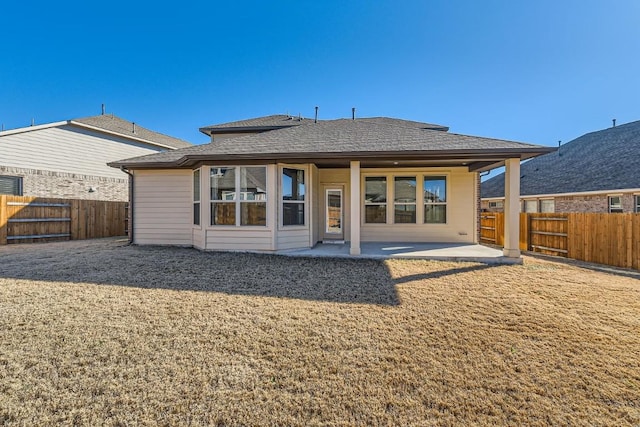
(433, 251)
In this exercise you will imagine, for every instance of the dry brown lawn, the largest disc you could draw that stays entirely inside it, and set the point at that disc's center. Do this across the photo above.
(97, 333)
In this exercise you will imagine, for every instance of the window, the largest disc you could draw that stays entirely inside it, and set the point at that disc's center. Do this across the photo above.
(375, 200)
(435, 199)
(637, 204)
(11, 185)
(404, 202)
(615, 204)
(293, 196)
(196, 197)
(547, 206)
(531, 206)
(238, 196)
(496, 205)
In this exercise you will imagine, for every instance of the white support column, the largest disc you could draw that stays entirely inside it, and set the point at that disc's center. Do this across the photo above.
(355, 207)
(512, 208)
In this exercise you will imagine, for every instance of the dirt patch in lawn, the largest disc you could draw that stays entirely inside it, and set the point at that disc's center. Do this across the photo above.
(96, 333)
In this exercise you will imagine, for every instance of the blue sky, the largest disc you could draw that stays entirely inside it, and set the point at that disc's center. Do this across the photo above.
(536, 71)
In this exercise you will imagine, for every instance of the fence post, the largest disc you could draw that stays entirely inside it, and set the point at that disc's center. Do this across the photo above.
(3, 220)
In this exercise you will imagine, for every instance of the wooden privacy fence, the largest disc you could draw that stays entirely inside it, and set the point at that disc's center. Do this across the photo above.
(36, 219)
(604, 238)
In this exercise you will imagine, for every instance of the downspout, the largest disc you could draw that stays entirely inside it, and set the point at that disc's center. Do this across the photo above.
(131, 198)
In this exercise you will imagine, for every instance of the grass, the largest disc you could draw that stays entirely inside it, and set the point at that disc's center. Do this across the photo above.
(96, 333)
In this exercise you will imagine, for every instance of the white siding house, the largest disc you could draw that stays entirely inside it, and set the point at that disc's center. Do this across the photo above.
(69, 159)
(278, 183)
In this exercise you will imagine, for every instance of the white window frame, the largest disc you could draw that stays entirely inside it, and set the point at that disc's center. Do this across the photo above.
(307, 195)
(447, 184)
(238, 200)
(420, 176)
(197, 197)
(611, 208)
(496, 204)
(636, 198)
(547, 200)
(534, 202)
(385, 203)
(18, 180)
(415, 198)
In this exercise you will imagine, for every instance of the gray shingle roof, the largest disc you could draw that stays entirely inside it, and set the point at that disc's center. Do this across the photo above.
(123, 127)
(337, 139)
(604, 160)
(282, 120)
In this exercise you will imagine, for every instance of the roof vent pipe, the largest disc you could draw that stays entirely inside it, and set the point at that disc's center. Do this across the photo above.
(559, 153)
(316, 119)
(103, 109)
(353, 113)
(614, 122)
(134, 127)
(33, 122)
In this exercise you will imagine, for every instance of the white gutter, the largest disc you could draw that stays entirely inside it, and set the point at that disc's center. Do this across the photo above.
(32, 128)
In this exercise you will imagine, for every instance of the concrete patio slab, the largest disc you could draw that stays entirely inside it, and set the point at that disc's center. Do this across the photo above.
(434, 251)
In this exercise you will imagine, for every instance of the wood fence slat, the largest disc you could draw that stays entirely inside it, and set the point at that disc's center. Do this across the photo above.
(3, 220)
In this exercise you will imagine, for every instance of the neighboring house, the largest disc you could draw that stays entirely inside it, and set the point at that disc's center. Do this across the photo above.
(597, 172)
(279, 182)
(68, 159)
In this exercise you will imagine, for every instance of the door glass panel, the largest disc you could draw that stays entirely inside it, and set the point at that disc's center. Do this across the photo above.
(334, 211)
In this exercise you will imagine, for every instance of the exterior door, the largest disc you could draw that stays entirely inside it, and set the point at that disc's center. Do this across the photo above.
(333, 213)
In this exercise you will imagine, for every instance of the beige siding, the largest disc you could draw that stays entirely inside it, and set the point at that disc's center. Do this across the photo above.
(461, 208)
(162, 207)
(294, 239)
(69, 149)
(238, 239)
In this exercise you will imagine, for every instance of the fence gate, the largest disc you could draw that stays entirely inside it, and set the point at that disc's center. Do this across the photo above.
(548, 233)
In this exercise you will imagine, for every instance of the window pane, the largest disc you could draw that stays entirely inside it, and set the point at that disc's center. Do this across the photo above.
(375, 189)
(293, 184)
(405, 214)
(435, 189)
(196, 186)
(531, 206)
(223, 183)
(375, 214)
(253, 213)
(547, 206)
(253, 183)
(223, 213)
(196, 213)
(615, 204)
(638, 204)
(405, 189)
(293, 214)
(11, 185)
(435, 214)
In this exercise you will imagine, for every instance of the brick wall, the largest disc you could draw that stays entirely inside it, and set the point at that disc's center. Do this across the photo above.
(598, 203)
(41, 183)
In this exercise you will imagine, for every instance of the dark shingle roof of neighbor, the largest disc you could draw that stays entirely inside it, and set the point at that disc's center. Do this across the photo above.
(283, 120)
(608, 159)
(115, 124)
(338, 138)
